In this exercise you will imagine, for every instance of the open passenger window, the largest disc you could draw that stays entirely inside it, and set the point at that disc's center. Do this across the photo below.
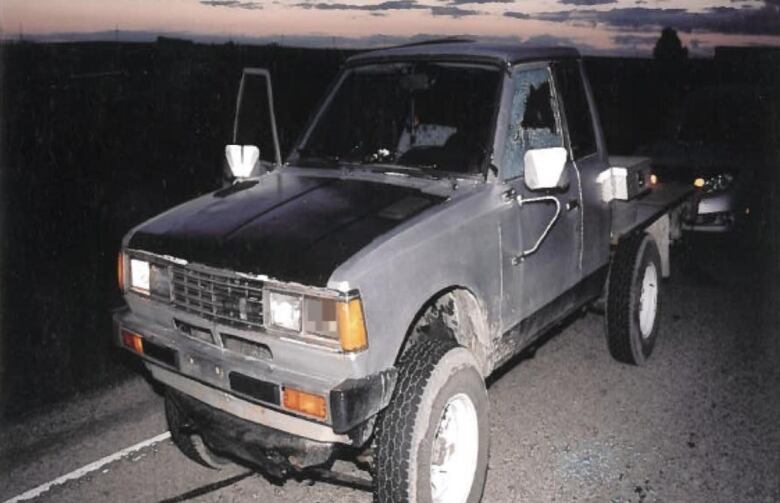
(575, 102)
(534, 121)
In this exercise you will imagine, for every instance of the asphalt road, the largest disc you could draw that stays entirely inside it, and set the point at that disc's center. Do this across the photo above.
(699, 423)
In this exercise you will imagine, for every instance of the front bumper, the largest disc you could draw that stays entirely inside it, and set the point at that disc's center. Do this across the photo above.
(251, 389)
(720, 222)
(717, 213)
(276, 452)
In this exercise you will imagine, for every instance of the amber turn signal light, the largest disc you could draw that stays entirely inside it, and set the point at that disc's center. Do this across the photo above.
(132, 341)
(307, 403)
(120, 271)
(699, 183)
(352, 327)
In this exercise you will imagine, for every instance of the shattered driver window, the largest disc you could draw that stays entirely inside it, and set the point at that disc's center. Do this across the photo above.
(533, 121)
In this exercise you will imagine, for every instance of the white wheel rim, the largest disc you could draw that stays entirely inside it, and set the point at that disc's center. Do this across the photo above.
(648, 300)
(454, 451)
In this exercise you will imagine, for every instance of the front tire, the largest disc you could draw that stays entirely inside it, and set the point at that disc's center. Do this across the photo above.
(433, 439)
(189, 443)
(633, 300)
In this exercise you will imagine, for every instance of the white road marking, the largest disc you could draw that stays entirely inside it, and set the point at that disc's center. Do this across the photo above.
(96, 465)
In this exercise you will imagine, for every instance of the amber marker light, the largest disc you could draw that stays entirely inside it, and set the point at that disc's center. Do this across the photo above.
(653, 179)
(120, 271)
(306, 403)
(133, 341)
(352, 328)
(698, 183)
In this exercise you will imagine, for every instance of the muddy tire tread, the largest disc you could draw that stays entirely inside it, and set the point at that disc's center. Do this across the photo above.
(394, 430)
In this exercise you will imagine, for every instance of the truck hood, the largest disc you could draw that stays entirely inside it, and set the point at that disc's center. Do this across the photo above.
(286, 226)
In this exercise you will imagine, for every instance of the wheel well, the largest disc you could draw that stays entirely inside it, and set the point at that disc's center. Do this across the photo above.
(661, 232)
(456, 313)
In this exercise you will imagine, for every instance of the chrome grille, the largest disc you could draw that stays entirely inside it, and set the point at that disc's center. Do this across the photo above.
(218, 297)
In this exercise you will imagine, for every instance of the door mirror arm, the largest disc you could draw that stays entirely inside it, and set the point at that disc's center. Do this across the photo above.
(244, 160)
(521, 201)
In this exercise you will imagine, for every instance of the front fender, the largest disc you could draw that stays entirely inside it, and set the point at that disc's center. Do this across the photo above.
(455, 245)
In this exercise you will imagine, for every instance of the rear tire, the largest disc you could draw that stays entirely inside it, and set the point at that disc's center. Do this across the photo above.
(189, 443)
(440, 397)
(633, 300)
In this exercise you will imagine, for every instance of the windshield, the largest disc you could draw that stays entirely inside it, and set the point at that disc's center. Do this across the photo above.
(435, 116)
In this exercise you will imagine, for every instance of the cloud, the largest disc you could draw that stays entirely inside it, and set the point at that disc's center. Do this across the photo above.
(558, 41)
(387, 5)
(233, 4)
(452, 11)
(633, 17)
(517, 15)
(548, 41)
(461, 2)
(587, 2)
(635, 40)
(437, 10)
(759, 21)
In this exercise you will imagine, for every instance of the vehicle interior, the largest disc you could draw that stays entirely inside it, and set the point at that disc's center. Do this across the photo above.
(434, 116)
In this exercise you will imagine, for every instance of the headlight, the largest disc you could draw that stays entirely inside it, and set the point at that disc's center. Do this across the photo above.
(285, 311)
(149, 278)
(714, 184)
(139, 275)
(336, 322)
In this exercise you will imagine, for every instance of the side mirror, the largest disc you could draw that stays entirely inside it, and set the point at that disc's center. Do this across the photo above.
(544, 168)
(242, 159)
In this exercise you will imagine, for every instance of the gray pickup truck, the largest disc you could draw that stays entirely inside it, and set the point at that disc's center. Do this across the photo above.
(447, 204)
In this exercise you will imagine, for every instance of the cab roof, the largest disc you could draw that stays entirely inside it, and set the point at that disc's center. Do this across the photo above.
(465, 50)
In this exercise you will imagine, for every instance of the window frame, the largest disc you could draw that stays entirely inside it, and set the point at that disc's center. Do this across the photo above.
(483, 174)
(556, 104)
(577, 64)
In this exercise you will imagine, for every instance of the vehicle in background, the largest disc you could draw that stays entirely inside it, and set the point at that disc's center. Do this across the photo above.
(718, 143)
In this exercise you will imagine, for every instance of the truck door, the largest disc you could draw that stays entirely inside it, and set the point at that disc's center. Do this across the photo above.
(586, 146)
(541, 229)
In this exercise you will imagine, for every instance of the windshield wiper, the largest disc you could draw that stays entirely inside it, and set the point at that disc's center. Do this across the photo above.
(411, 171)
(310, 155)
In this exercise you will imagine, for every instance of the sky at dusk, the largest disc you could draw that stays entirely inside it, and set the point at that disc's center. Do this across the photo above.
(627, 27)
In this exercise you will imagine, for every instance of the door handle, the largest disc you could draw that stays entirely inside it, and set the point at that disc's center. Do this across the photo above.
(509, 195)
(572, 204)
